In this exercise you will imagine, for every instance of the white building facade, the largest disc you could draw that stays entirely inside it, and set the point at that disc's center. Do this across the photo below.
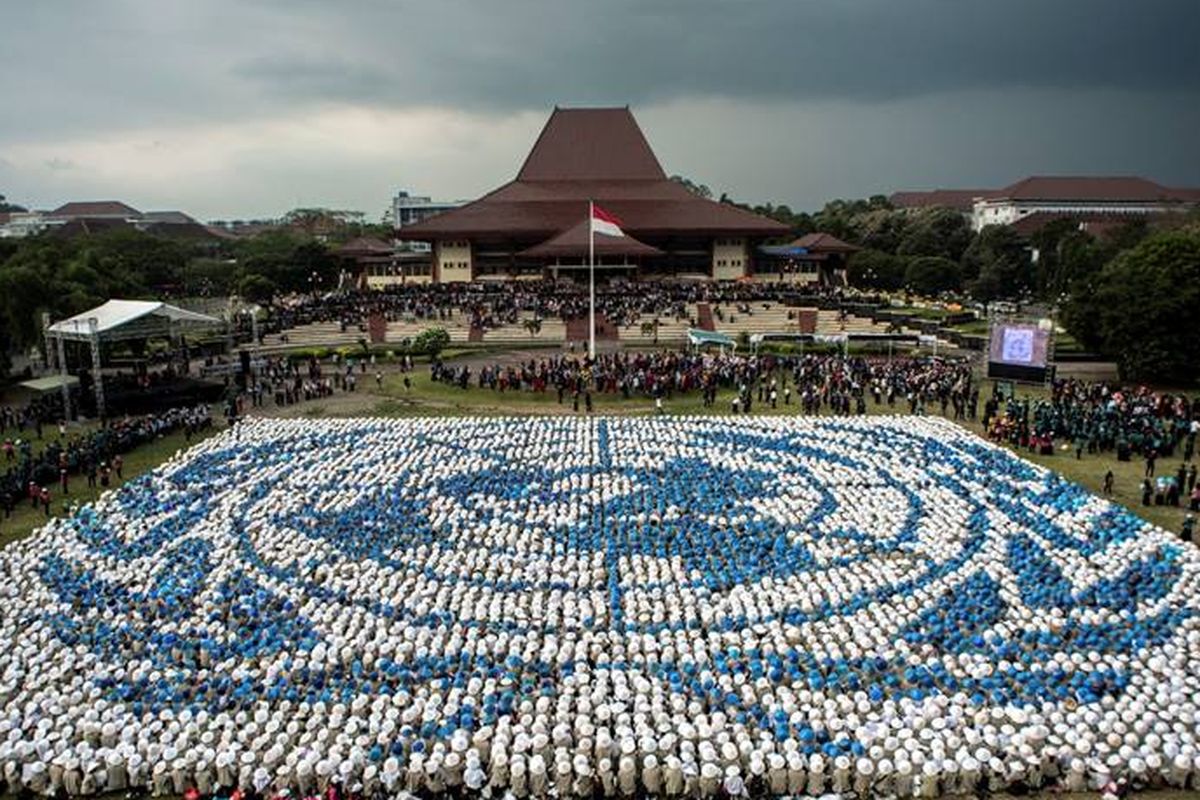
(1063, 196)
(409, 210)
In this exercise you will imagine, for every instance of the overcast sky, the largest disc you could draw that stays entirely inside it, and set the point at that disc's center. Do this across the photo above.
(231, 109)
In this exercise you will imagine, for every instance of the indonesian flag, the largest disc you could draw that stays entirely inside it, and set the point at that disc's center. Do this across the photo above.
(605, 223)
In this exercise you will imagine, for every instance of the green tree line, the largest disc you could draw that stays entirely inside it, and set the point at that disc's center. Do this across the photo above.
(65, 276)
(1130, 293)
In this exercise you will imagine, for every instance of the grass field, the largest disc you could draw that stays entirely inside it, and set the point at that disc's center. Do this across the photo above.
(426, 398)
(25, 519)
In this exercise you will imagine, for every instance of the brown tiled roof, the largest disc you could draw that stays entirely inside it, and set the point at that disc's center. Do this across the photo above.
(95, 209)
(591, 154)
(574, 242)
(217, 232)
(1094, 222)
(1188, 195)
(823, 242)
(86, 226)
(591, 144)
(168, 218)
(958, 199)
(364, 246)
(1087, 188)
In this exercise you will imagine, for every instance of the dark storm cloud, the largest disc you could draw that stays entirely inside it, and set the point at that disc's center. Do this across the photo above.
(89, 64)
(520, 53)
(263, 102)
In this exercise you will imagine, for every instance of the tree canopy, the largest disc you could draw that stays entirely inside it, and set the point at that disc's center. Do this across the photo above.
(931, 275)
(7, 207)
(1140, 309)
(64, 276)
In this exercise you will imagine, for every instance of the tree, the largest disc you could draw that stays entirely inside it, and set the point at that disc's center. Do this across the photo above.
(1065, 256)
(880, 229)
(930, 276)
(996, 265)
(289, 260)
(256, 289)
(875, 269)
(8, 208)
(936, 231)
(1139, 309)
(698, 189)
(431, 341)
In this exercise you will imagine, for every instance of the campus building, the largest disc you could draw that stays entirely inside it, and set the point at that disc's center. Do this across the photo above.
(1036, 201)
(82, 218)
(536, 225)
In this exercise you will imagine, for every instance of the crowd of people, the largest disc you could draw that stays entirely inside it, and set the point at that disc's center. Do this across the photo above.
(283, 381)
(808, 383)
(1098, 418)
(35, 470)
(489, 306)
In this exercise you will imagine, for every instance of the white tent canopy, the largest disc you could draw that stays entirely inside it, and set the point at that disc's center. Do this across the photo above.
(51, 383)
(119, 320)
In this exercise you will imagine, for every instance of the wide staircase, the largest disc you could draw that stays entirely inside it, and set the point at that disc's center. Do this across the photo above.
(577, 330)
(458, 326)
(829, 323)
(670, 330)
(518, 335)
(763, 318)
(315, 334)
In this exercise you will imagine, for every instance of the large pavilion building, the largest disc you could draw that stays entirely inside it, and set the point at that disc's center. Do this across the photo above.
(536, 226)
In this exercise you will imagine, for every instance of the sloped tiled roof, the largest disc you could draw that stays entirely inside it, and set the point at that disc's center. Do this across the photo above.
(958, 199)
(364, 245)
(1087, 188)
(591, 154)
(96, 209)
(591, 144)
(574, 242)
(1051, 188)
(168, 217)
(823, 242)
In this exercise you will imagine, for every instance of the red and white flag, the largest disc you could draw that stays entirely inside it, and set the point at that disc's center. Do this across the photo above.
(605, 223)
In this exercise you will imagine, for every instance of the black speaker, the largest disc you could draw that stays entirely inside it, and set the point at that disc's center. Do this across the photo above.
(245, 356)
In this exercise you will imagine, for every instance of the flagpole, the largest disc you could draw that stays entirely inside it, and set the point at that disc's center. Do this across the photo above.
(591, 281)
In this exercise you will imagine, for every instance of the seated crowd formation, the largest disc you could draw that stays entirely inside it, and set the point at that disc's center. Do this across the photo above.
(684, 607)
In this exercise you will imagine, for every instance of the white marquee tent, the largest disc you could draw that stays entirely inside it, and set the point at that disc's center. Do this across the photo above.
(116, 321)
(121, 320)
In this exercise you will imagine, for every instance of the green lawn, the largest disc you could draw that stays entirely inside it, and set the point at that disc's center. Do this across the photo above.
(931, 314)
(25, 520)
(427, 398)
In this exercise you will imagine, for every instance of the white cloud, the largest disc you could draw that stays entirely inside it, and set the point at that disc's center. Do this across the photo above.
(337, 156)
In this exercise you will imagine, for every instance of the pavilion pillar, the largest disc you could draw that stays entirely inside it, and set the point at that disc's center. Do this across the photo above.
(62, 376)
(94, 338)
